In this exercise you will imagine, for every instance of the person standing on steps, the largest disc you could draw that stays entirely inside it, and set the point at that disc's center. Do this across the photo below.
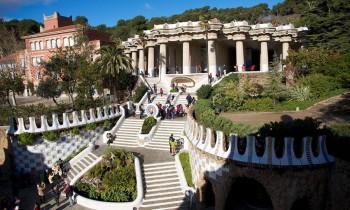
(189, 99)
(149, 96)
(172, 143)
(41, 192)
(142, 110)
(155, 89)
(171, 138)
(56, 192)
(161, 92)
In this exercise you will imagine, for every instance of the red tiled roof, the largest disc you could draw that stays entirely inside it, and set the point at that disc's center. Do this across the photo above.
(10, 57)
(60, 28)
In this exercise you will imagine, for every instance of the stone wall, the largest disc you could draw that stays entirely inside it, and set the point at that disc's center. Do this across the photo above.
(43, 154)
(6, 155)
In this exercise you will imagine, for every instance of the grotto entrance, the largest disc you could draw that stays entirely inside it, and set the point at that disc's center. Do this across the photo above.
(248, 194)
(209, 196)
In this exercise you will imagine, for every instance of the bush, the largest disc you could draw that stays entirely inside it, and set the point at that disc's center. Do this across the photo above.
(320, 86)
(185, 162)
(300, 93)
(258, 104)
(204, 92)
(148, 125)
(26, 138)
(115, 176)
(91, 126)
(106, 123)
(227, 96)
(74, 131)
(140, 92)
(338, 140)
(51, 136)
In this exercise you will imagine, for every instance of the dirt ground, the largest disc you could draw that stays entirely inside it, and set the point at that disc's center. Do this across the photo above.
(335, 109)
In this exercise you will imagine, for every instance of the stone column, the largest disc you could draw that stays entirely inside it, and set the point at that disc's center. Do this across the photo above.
(264, 60)
(186, 58)
(150, 60)
(162, 59)
(171, 59)
(239, 55)
(285, 47)
(212, 57)
(141, 61)
(134, 60)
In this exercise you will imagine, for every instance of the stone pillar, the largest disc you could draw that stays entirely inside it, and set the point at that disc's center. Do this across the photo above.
(212, 57)
(150, 61)
(186, 58)
(239, 55)
(162, 59)
(264, 58)
(134, 60)
(172, 59)
(141, 61)
(285, 47)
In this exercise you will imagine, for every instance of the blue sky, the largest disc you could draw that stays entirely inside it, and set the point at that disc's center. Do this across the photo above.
(110, 11)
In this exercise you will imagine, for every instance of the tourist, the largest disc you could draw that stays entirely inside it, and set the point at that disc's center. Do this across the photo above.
(56, 191)
(69, 193)
(41, 192)
(142, 110)
(155, 89)
(225, 69)
(111, 138)
(172, 144)
(161, 92)
(200, 69)
(193, 100)
(189, 99)
(51, 176)
(252, 68)
(243, 68)
(149, 96)
(60, 163)
(36, 206)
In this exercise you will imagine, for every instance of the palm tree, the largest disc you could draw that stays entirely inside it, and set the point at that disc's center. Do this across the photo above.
(112, 61)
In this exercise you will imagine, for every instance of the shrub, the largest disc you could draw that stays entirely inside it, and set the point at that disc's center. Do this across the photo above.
(258, 104)
(204, 92)
(139, 92)
(91, 126)
(26, 138)
(185, 162)
(74, 131)
(338, 135)
(300, 93)
(51, 136)
(174, 90)
(320, 86)
(227, 96)
(106, 123)
(113, 179)
(148, 125)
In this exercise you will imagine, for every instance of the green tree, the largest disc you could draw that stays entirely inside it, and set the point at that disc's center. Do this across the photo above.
(10, 84)
(81, 20)
(49, 88)
(111, 62)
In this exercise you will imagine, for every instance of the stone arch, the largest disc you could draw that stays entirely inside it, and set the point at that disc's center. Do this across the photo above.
(300, 204)
(208, 194)
(248, 193)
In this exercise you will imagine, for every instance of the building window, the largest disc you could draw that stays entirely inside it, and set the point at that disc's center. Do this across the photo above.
(41, 45)
(34, 61)
(65, 42)
(71, 41)
(32, 46)
(48, 44)
(37, 46)
(53, 43)
(58, 43)
(23, 66)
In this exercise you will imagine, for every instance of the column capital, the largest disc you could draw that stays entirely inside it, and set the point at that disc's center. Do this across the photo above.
(133, 49)
(238, 37)
(162, 40)
(264, 38)
(286, 39)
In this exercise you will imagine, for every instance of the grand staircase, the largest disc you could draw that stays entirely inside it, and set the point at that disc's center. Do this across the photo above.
(160, 140)
(127, 133)
(162, 187)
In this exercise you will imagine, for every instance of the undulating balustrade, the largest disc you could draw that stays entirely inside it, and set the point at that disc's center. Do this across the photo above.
(214, 142)
(95, 115)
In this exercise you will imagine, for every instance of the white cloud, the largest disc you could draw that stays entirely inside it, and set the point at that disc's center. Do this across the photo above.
(147, 6)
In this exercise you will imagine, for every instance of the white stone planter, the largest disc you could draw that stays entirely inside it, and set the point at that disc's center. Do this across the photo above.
(144, 139)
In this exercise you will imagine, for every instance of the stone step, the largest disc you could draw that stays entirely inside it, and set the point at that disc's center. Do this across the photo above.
(164, 203)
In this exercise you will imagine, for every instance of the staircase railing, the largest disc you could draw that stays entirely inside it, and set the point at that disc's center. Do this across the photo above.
(142, 77)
